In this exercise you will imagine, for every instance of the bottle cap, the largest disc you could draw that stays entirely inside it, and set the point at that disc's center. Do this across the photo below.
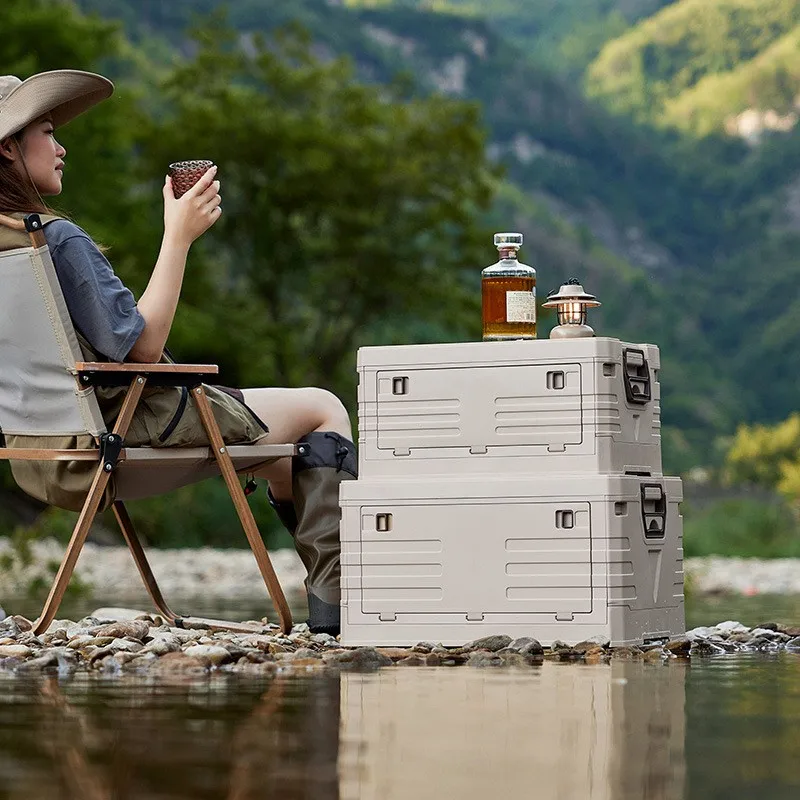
(508, 240)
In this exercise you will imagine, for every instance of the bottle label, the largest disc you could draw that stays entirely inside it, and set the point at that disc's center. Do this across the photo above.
(520, 307)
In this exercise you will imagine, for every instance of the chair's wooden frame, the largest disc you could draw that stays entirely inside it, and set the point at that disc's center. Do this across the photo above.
(111, 451)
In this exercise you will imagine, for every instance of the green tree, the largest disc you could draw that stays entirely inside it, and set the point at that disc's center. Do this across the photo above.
(348, 209)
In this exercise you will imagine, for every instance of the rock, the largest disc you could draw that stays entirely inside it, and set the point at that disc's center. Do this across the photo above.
(302, 654)
(484, 658)
(324, 639)
(769, 633)
(30, 639)
(173, 663)
(570, 654)
(14, 651)
(731, 626)
(49, 659)
(423, 647)
(416, 660)
(512, 659)
(527, 646)
(395, 653)
(101, 641)
(626, 654)
(161, 646)
(767, 626)
(763, 643)
(362, 658)
(559, 645)
(679, 646)
(491, 643)
(133, 629)
(587, 644)
(2, 614)
(125, 646)
(790, 630)
(699, 633)
(793, 644)
(208, 654)
(656, 655)
(704, 647)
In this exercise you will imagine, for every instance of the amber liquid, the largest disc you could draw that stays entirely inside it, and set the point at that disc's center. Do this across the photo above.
(495, 325)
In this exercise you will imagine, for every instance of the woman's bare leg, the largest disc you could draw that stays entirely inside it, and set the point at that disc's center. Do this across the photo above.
(290, 415)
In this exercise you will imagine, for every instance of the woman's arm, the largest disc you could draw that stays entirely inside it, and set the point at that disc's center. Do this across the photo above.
(184, 221)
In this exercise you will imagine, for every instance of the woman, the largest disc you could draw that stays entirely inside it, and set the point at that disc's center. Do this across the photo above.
(113, 325)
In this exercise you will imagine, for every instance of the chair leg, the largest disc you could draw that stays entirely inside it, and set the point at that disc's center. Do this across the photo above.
(142, 564)
(243, 509)
(76, 542)
(88, 512)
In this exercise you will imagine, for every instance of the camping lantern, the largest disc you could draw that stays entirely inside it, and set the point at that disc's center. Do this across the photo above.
(571, 302)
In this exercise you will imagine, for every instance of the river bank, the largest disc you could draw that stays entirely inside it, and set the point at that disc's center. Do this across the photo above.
(113, 641)
(232, 575)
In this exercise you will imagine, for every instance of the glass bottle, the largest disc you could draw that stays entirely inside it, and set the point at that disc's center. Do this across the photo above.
(508, 290)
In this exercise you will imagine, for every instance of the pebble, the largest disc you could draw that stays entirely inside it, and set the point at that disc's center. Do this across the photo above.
(136, 644)
(209, 655)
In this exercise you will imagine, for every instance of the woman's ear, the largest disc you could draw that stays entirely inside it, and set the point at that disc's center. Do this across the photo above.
(8, 148)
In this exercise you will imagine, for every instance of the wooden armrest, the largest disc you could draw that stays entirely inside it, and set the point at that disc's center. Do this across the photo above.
(113, 373)
(144, 369)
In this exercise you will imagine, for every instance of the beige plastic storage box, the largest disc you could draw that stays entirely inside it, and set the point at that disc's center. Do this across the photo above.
(564, 557)
(535, 407)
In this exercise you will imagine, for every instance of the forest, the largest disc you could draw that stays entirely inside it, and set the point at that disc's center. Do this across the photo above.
(368, 149)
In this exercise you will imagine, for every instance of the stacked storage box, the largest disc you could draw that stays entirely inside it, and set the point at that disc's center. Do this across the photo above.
(510, 487)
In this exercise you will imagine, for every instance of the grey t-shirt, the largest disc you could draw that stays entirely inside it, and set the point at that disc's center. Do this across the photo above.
(102, 308)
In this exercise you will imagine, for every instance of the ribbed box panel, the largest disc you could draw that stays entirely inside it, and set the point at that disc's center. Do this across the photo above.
(532, 407)
(563, 557)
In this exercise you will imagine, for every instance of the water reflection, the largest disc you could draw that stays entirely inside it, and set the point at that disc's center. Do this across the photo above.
(723, 728)
(95, 739)
(565, 731)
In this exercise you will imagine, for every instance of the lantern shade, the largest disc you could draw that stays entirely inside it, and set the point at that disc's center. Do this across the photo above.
(571, 292)
(571, 302)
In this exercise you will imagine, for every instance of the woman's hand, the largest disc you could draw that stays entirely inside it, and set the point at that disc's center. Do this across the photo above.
(193, 214)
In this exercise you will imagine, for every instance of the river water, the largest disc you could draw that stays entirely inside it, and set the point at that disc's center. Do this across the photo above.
(721, 727)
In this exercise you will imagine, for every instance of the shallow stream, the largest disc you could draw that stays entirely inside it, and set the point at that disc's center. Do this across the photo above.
(718, 727)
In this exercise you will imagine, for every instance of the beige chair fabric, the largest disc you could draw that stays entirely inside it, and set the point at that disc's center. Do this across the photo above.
(39, 395)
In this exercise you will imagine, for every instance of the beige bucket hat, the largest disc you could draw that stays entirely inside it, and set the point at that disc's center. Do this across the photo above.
(63, 93)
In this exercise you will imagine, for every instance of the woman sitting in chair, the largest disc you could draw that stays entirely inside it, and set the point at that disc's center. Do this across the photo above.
(112, 325)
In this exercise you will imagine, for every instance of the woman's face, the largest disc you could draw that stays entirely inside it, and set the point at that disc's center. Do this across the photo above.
(44, 156)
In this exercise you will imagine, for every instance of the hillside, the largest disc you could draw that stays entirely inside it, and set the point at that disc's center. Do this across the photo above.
(672, 51)
(564, 35)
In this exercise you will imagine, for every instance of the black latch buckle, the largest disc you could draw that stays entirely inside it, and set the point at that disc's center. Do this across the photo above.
(654, 510)
(111, 445)
(636, 376)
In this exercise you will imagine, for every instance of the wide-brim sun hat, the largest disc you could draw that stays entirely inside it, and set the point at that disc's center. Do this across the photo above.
(61, 93)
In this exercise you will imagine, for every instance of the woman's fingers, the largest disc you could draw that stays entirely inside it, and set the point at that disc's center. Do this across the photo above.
(203, 184)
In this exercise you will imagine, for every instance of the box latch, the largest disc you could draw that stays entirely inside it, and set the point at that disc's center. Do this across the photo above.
(636, 376)
(654, 510)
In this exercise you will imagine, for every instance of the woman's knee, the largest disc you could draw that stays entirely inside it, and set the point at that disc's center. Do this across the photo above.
(327, 407)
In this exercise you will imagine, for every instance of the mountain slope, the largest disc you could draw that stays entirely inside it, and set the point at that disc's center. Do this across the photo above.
(672, 51)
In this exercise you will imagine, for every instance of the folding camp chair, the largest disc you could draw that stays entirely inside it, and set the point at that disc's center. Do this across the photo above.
(46, 389)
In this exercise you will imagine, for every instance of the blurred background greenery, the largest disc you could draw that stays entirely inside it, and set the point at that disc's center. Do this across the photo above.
(369, 148)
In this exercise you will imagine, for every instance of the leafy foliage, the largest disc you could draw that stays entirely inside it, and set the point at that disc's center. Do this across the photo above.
(673, 50)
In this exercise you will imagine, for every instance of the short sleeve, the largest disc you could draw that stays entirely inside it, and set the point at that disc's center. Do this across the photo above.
(102, 308)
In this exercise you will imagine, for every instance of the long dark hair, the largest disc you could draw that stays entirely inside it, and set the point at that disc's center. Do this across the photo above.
(17, 192)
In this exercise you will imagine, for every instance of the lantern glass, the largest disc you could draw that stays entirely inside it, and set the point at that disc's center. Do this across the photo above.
(571, 313)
